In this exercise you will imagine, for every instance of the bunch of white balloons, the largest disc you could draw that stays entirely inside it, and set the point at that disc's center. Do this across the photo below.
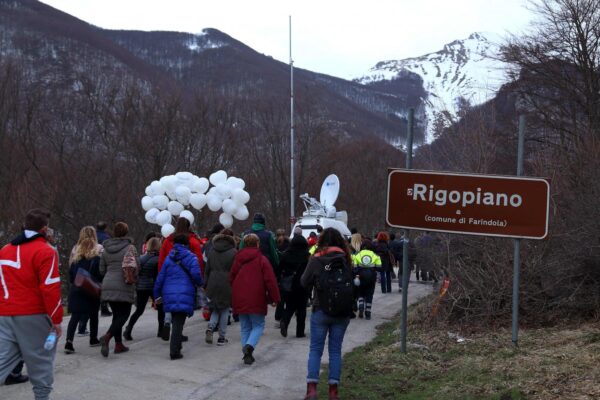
(169, 197)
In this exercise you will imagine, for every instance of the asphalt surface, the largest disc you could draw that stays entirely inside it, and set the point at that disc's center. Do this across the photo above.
(206, 371)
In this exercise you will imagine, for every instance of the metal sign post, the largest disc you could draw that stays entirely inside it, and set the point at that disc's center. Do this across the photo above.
(517, 254)
(405, 266)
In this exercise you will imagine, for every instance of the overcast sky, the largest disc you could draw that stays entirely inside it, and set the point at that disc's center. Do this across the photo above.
(336, 37)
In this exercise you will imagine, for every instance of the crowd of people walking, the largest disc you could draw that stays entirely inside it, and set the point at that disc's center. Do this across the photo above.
(236, 278)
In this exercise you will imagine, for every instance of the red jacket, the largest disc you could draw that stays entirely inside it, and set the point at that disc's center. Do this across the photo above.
(253, 282)
(30, 279)
(167, 246)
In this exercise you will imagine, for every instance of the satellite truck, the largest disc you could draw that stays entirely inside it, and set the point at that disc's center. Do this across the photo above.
(323, 212)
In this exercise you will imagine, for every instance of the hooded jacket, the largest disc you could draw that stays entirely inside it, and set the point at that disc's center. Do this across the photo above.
(253, 282)
(29, 278)
(218, 265)
(114, 287)
(315, 266)
(174, 285)
(148, 271)
(195, 247)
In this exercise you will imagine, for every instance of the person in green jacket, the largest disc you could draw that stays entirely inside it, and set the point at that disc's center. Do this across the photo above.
(366, 265)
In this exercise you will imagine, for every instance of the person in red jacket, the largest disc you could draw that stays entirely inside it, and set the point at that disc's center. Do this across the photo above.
(253, 286)
(30, 303)
(182, 226)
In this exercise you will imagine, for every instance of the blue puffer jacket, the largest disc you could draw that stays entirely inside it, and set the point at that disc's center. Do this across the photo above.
(174, 285)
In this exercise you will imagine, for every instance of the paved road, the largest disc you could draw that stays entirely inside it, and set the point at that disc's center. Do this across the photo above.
(206, 371)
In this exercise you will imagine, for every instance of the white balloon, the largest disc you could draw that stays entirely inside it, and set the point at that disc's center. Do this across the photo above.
(149, 191)
(151, 215)
(160, 201)
(235, 183)
(175, 207)
(170, 183)
(200, 186)
(184, 176)
(164, 217)
(171, 194)
(242, 213)
(240, 196)
(147, 203)
(218, 177)
(198, 200)
(167, 230)
(229, 206)
(226, 220)
(157, 187)
(183, 191)
(224, 190)
(213, 202)
(187, 215)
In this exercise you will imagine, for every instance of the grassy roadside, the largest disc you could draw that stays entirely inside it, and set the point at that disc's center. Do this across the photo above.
(551, 363)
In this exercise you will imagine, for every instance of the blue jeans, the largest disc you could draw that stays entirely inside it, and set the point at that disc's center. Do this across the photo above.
(252, 327)
(219, 317)
(320, 325)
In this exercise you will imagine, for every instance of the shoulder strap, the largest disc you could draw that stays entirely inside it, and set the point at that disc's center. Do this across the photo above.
(188, 273)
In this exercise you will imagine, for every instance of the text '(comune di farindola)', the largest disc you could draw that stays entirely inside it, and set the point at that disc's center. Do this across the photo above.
(441, 197)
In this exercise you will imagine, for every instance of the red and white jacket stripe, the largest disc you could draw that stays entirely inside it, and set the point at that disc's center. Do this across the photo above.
(30, 280)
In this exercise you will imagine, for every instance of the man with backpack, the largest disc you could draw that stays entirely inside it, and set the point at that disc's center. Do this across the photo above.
(329, 273)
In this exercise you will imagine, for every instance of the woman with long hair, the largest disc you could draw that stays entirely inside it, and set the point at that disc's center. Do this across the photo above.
(85, 256)
(332, 254)
(382, 249)
(115, 289)
(145, 285)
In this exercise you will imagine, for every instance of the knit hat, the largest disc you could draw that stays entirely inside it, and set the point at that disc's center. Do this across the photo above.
(258, 218)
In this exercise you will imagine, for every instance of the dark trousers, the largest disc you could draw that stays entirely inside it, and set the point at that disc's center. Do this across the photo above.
(386, 281)
(161, 316)
(121, 311)
(140, 306)
(177, 322)
(279, 311)
(76, 319)
(365, 295)
(104, 307)
(83, 323)
(295, 303)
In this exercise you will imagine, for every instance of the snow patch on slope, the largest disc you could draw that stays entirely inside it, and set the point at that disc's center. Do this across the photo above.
(466, 69)
(202, 41)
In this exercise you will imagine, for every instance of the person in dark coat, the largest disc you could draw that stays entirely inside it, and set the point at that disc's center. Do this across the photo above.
(291, 267)
(253, 286)
(81, 304)
(383, 251)
(218, 288)
(176, 287)
(145, 286)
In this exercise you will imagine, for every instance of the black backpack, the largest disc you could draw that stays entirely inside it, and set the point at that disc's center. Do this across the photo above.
(335, 288)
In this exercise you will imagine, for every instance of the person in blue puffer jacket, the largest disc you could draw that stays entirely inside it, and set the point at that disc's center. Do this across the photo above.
(176, 287)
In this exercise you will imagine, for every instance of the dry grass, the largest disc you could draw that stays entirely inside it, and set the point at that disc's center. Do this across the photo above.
(551, 363)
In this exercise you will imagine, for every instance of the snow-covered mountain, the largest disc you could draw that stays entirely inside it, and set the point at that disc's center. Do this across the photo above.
(466, 69)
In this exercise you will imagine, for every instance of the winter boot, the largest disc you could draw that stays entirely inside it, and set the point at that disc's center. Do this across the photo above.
(104, 342)
(248, 357)
(120, 348)
(311, 391)
(333, 392)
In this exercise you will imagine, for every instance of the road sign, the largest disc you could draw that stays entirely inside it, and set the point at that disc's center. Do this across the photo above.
(489, 205)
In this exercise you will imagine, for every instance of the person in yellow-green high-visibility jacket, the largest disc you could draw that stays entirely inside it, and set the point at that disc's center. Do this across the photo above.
(366, 266)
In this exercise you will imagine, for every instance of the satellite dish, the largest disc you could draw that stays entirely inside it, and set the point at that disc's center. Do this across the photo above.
(330, 190)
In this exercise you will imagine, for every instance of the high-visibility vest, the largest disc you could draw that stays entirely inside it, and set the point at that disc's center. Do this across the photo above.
(366, 259)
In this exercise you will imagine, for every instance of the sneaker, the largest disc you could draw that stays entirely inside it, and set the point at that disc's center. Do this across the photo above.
(166, 332)
(83, 334)
(248, 358)
(209, 336)
(222, 341)
(94, 342)
(69, 349)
